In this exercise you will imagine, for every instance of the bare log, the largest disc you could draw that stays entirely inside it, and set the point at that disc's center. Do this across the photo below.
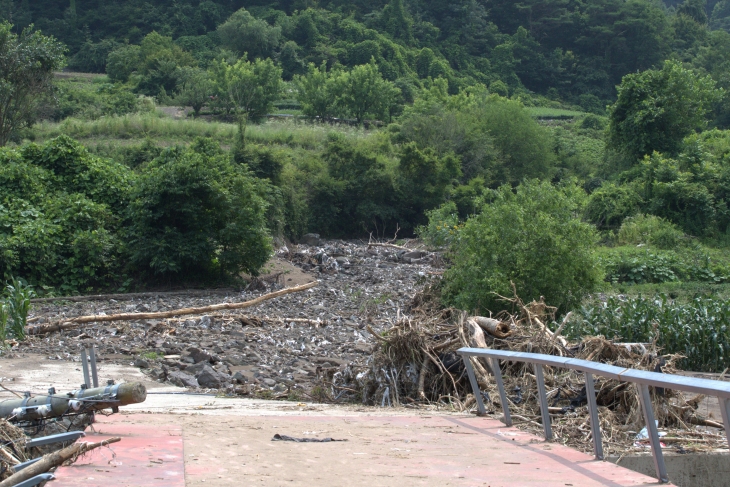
(422, 378)
(494, 327)
(75, 322)
(54, 460)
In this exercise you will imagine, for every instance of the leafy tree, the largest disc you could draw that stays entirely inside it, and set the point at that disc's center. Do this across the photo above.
(656, 109)
(197, 215)
(196, 89)
(529, 236)
(243, 34)
(122, 62)
(363, 91)
(27, 63)
(316, 92)
(251, 87)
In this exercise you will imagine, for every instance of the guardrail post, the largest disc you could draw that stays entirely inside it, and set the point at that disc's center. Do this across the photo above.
(725, 410)
(543, 402)
(85, 367)
(651, 428)
(474, 385)
(595, 422)
(502, 392)
(92, 360)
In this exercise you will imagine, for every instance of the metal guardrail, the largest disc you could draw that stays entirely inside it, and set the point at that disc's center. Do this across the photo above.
(643, 379)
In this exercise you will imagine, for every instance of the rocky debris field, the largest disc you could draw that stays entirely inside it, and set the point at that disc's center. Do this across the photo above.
(280, 348)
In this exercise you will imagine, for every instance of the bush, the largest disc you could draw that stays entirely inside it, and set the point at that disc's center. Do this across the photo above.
(531, 237)
(649, 230)
(609, 205)
(197, 215)
(442, 228)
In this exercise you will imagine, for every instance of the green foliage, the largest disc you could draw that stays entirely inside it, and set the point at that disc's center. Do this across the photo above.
(316, 92)
(699, 330)
(250, 87)
(531, 237)
(363, 91)
(609, 205)
(649, 230)
(195, 89)
(15, 308)
(641, 266)
(244, 34)
(27, 63)
(194, 214)
(442, 228)
(92, 100)
(656, 109)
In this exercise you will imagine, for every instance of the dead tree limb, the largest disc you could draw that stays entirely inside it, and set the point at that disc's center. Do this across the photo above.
(54, 460)
(75, 322)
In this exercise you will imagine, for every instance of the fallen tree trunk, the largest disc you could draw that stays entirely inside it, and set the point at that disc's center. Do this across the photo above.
(494, 327)
(52, 460)
(79, 320)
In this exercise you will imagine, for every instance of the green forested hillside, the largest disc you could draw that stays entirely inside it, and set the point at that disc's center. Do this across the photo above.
(575, 51)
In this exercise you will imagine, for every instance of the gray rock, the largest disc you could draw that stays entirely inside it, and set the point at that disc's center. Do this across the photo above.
(269, 382)
(141, 363)
(182, 379)
(279, 388)
(211, 378)
(239, 377)
(198, 355)
(311, 239)
(197, 368)
(342, 261)
(157, 373)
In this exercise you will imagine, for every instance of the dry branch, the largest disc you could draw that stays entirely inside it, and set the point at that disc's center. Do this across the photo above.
(54, 460)
(75, 322)
(496, 328)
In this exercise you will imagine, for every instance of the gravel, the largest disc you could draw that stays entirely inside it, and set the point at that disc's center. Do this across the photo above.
(257, 349)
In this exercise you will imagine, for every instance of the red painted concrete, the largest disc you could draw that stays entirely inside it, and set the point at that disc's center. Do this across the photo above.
(381, 451)
(147, 456)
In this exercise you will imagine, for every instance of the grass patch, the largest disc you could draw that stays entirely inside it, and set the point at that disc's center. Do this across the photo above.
(553, 113)
(152, 355)
(168, 131)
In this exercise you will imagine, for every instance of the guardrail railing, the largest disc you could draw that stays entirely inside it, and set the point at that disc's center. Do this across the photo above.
(643, 379)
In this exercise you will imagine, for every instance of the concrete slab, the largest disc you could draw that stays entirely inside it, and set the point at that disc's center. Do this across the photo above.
(424, 450)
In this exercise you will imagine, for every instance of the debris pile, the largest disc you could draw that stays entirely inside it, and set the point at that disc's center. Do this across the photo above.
(415, 363)
(12, 448)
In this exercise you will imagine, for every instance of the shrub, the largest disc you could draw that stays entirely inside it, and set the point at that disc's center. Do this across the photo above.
(443, 226)
(649, 230)
(531, 237)
(641, 266)
(197, 215)
(609, 205)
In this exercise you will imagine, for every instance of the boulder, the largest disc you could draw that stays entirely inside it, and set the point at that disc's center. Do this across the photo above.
(182, 379)
(211, 378)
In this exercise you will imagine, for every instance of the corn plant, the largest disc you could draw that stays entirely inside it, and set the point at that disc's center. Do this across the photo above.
(3, 323)
(698, 330)
(19, 294)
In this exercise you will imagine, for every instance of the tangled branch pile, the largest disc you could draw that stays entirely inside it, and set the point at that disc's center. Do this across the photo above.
(415, 362)
(12, 447)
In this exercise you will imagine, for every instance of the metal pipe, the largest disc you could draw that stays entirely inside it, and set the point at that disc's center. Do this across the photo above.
(542, 393)
(85, 368)
(59, 438)
(36, 480)
(52, 406)
(92, 358)
(651, 428)
(475, 386)
(595, 423)
(502, 392)
(21, 466)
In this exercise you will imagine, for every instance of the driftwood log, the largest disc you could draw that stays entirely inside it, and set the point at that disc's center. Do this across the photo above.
(80, 320)
(496, 328)
(52, 460)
